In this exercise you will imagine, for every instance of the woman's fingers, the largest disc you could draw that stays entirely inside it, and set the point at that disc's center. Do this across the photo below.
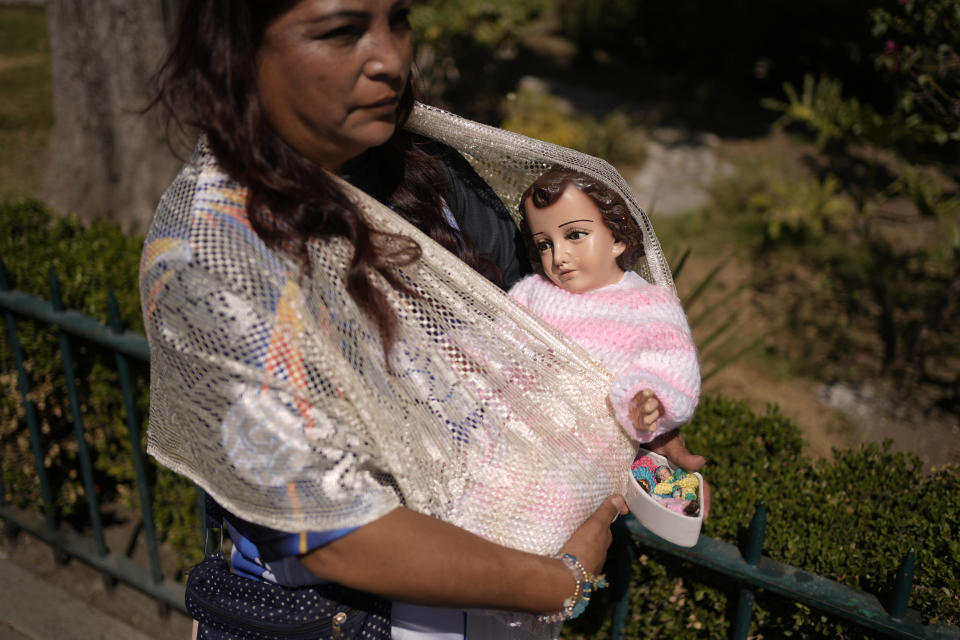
(673, 448)
(608, 512)
(619, 505)
(705, 499)
(590, 541)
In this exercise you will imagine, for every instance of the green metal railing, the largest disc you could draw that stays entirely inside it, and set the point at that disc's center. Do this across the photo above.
(66, 544)
(752, 571)
(748, 567)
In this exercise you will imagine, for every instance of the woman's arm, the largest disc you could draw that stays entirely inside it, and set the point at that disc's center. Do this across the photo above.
(415, 558)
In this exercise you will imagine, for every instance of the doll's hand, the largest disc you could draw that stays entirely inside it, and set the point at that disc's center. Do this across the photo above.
(645, 411)
(672, 447)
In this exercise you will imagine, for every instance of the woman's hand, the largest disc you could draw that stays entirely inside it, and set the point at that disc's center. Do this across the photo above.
(589, 543)
(672, 447)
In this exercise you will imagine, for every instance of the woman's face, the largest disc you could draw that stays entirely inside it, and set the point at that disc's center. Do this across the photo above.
(330, 74)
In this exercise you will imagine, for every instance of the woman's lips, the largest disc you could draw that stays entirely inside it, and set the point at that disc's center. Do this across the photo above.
(390, 101)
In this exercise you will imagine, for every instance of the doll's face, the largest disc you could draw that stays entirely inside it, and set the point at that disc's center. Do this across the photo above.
(577, 250)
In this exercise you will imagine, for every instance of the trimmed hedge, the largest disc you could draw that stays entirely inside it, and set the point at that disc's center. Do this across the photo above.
(851, 520)
(89, 260)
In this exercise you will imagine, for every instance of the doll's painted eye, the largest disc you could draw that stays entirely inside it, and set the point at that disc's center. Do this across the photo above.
(576, 234)
(543, 245)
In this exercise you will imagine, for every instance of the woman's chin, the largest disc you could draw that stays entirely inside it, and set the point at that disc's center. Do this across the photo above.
(361, 139)
(377, 130)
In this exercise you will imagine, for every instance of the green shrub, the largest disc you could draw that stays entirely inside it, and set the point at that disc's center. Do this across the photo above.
(837, 120)
(485, 23)
(459, 45)
(883, 292)
(851, 520)
(90, 261)
(543, 116)
(921, 53)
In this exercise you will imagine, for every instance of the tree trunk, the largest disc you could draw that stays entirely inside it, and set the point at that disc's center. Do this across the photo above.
(108, 159)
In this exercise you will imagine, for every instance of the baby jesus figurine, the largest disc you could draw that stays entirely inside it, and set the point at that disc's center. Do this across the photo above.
(587, 243)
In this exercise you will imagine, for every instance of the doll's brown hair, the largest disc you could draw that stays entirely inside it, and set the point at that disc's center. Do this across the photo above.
(548, 188)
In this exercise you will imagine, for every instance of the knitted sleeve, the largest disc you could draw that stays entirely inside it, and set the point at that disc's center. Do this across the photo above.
(651, 347)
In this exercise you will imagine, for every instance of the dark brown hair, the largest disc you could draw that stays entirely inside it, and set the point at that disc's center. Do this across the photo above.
(548, 188)
(208, 83)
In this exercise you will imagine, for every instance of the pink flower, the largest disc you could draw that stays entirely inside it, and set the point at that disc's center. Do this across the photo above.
(890, 57)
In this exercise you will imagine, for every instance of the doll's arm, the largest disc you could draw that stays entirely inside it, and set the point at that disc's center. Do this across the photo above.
(660, 357)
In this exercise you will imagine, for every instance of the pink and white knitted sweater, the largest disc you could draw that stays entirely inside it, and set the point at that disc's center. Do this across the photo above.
(637, 330)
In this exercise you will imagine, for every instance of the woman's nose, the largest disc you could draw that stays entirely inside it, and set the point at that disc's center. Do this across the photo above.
(390, 55)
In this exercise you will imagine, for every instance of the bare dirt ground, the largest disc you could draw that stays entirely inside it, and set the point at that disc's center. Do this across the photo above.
(844, 416)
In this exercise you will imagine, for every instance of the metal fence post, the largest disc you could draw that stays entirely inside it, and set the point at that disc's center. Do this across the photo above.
(133, 427)
(901, 586)
(620, 561)
(86, 468)
(752, 554)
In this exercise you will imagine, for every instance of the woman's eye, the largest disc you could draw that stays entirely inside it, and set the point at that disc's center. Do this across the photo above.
(346, 32)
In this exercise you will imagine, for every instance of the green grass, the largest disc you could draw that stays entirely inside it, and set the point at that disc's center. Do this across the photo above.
(28, 103)
(23, 31)
(26, 111)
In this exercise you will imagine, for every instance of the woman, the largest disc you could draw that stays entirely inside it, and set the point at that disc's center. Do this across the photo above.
(298, 366)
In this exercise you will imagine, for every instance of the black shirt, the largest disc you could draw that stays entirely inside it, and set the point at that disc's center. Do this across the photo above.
(482, 218)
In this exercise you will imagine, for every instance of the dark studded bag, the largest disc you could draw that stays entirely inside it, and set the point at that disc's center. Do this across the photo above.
(232, 607)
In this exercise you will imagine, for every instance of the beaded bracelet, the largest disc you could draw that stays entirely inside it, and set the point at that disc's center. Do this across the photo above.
(587, 584)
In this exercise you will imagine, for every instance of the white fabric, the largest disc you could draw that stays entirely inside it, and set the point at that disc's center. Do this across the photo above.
(415, 622)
